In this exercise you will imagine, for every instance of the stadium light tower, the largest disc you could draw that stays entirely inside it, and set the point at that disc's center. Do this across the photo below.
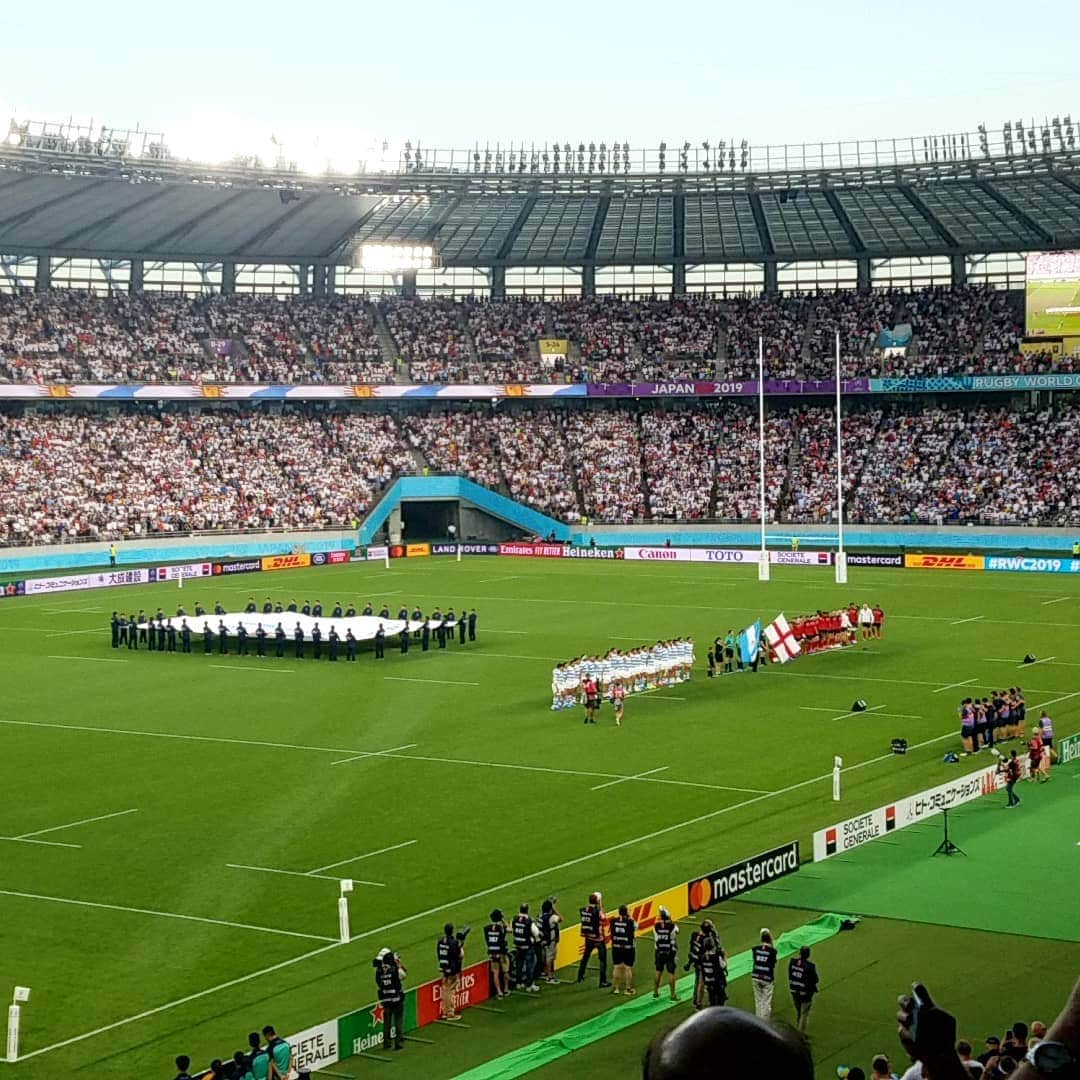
(395, 258)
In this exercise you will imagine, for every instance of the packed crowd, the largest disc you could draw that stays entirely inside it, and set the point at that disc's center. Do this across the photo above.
(88, 475)
(66, 336)
(91, 476)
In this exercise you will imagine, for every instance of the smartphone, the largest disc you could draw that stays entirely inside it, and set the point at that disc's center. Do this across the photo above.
(920, 999)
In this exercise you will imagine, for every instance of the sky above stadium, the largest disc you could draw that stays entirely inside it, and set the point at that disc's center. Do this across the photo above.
(334, 82)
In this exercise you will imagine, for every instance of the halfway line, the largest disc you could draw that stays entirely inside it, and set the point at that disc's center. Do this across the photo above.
(622, 780)
(91, 659)
(953, 686)
(72, 824)
(241, 667)
(441, 682)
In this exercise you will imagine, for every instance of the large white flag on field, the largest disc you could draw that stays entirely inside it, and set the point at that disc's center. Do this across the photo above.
(782, 640)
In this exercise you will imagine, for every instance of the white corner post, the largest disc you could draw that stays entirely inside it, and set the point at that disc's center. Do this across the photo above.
(841, 554)
(459, 551)
(838, 764)
(343, 911)
(20, 997)
(763, 557)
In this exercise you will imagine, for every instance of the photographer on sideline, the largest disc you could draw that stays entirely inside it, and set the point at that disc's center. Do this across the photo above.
(498, 954)
(526, 934)
(389, 971)
(451, 954)
(550, 920)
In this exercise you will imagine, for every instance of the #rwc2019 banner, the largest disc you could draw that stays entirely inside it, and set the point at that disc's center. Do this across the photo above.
(743, 876)
(859, 830)
(1032, 565)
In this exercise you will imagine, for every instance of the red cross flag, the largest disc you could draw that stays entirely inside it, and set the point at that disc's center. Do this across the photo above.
(782, 639)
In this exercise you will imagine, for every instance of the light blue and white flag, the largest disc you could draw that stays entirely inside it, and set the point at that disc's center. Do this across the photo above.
(750, 643)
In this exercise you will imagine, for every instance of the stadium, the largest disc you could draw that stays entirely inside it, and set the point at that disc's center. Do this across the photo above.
(562, 406)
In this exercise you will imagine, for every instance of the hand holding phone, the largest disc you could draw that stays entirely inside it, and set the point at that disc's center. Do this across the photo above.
(927, 1032)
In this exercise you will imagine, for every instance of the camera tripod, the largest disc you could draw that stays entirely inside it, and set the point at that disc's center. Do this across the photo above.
(947, 847)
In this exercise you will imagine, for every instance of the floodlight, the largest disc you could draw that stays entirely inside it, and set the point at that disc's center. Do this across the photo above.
(396, 258)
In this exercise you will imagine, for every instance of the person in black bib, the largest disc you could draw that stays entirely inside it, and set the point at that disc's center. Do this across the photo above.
(803, 984)
(316, 611)
(405, 638)
(368, 610)
(241, 640)
(384, 611)
(699, 941)
(306, 609)
(292, 606)
(763, 975)
(388, 975)
(524, 932)
(623, 952)
(450, 953)
(425, 636)
(498, 954)
(170, 635)
(160, 635)
(268, 606)
(665, 937)
(223, 638)
(249, 607)
(403, 612)
(416, 616)
(713, 965)
(550, 922)
(337, 612)
(133, 634)
(350, 612)
(592, 933)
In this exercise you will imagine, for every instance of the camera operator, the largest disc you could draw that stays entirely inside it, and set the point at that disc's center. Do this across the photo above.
(451, 954)
(550, 920)
(593, 924)
(526, 934)
(498, 954)
(699, 940)
(389, 971)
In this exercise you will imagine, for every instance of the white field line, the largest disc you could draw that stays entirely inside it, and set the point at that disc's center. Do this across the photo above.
(1054, 701)
(261, 670)
(1045, 603)
(440, 682)
(953, 686)
(875, 708)
(1045, 660)
(1053, 661)
(300, 873)
(91, 659)
(72, 824)
(52, 610)
(69, 633)
(357, 858)
(501, 887)
(638, 776)
(974, 618)
(163, 914)
(43, 843)
(356, 755)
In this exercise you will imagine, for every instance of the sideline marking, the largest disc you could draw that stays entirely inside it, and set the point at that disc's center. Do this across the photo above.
(242, 667)
(960, 622)
(1046, 660)
(91, 659)
(441, 682)
(502, 886)
(163, 914)
(637, 776)
(1057, 601)
(953, 686)
(72, 824)
(43, 843)
(380, 753)
(300, 873)
(357, 858)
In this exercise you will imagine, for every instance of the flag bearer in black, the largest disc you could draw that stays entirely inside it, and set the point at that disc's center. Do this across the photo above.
(523, 928)
(350, 645)
(498, 953)
(180, 612)
(405, 638)
(368, 609)
(278, 609)
(185, 637)
(384, 611)
(268, 606)
(142, 626)
(298, 638)
(306, 609)
(403, 612)
(208, 638)
(549, 937)
(803, 983)
(763, 975)
(200, 611)
(241, 639)
(316, 642)
(699, 940)
(115, 624)
(292, 606)
(133, 635)
(388, 975)
(350, 611)
(416, 616)
(714, 972)
(436, 621)
(223, 638)
(218, 609)
(249, 607)
(592, 932)
(160, 636)
(665, 936)
(623, 952)
(380, 642)
(462, 626)
(260, 641)
(472, 624)
(335, 640)
(316, 611)
(448, 625)
(450, 952)
(151, 635)
(336, 613)
(279, 641)
(425, 636)
(170, 633)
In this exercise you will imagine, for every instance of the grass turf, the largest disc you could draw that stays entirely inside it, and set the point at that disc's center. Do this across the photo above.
(232, 761)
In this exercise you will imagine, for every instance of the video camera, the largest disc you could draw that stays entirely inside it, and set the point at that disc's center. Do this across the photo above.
(462, 934)
(385, 956)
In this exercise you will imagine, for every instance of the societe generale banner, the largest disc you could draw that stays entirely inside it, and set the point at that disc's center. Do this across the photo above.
(286, 562)
(861, 829)
(945, 562)
(643, 912)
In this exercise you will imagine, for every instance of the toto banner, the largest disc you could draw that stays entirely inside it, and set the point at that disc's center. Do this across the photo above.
(743, 876)
(532, 548)
(71, 582)
(874, 558)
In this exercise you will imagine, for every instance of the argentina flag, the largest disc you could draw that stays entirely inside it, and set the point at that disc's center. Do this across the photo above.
(750, 643)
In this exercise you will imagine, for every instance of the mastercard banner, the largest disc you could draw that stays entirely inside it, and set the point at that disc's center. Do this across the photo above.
(643, 912)
(743, 876)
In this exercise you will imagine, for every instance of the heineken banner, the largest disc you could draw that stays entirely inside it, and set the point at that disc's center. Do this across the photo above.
(1069, 750)
(362, 1030)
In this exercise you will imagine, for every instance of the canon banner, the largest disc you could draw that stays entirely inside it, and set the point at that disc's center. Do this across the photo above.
(860, 830)
(708, 555)
(71, 582)
(743, 876)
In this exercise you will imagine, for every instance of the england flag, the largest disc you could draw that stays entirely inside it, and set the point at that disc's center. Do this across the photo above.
(782, 640)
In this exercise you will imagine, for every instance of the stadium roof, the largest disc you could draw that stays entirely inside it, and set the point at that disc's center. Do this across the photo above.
(72, 206)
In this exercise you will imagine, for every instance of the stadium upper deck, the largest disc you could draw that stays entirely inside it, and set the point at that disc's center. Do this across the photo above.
(539, 208)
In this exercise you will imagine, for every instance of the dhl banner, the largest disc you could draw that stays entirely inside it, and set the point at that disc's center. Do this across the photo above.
(554, 346)
(643, 912)
(286, 562)
(945, 562)
(416, 550)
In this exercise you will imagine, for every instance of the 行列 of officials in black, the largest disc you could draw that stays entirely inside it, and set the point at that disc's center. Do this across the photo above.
(158, 632)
